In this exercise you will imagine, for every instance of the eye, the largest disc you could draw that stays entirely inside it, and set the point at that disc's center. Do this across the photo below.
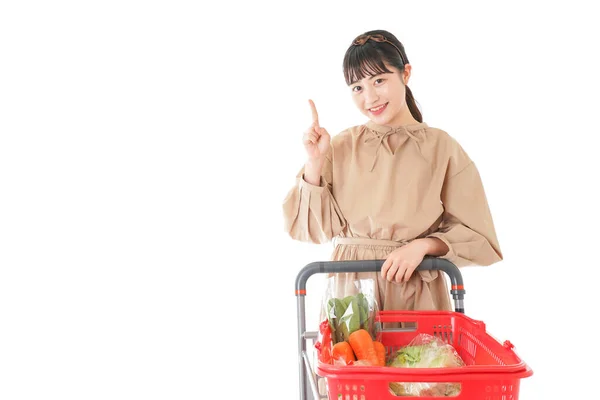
(356, 88)
(378, 81)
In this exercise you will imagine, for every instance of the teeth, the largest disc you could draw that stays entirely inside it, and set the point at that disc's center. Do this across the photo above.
(378, 108)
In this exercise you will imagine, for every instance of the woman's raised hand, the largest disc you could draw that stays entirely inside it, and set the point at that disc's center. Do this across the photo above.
(316, 139)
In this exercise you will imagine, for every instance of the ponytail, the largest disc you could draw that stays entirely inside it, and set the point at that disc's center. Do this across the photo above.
(412, 105)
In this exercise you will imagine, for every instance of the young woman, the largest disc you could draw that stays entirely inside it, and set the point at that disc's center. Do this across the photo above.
(392, 188)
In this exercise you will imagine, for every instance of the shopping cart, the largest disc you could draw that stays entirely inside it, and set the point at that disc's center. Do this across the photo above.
(492, 372)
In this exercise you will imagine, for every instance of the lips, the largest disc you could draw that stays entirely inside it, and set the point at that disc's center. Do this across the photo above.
(378, 110)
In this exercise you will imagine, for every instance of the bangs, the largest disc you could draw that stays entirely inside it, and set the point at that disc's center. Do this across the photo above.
(363, 61)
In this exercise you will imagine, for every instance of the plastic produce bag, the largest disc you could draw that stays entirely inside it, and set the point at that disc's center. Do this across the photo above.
(425, 351)
(355, 309)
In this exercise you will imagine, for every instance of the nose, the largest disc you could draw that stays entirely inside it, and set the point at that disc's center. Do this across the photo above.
(370, 96)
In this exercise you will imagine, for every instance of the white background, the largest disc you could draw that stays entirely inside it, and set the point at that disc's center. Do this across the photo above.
(146, 148)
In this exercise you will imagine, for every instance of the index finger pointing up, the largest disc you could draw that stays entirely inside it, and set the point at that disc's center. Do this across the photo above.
(315, 115)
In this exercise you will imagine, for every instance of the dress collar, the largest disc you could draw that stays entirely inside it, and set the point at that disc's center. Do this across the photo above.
(386, 129)
(380, 132)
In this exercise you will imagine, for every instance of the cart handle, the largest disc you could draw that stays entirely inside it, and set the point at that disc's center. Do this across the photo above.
(429, 263)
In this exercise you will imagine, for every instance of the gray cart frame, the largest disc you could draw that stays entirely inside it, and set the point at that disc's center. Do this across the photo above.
(305, 369)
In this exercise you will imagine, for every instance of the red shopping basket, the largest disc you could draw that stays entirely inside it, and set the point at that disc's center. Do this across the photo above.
(492, 372)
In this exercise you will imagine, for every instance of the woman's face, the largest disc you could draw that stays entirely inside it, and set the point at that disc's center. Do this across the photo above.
(382, 98)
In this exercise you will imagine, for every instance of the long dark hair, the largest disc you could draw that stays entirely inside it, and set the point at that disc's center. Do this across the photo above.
(367, 58)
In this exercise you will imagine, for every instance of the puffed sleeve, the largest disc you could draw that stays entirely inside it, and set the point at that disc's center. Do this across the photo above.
(467, 227)
(311, 213)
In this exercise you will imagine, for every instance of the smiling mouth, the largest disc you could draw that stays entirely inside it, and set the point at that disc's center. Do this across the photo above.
(378, 108)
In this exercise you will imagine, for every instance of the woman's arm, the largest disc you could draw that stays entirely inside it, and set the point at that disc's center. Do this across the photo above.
(431, 246)
(312, 171)
(311, 213)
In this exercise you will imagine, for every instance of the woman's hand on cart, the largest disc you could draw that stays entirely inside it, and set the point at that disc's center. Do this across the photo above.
(402, 262)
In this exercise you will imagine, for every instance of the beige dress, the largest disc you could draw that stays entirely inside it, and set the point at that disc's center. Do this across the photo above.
(373, 198)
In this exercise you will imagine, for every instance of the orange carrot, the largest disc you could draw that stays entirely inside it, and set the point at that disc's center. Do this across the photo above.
(380, 351)
(342, 351)
(363, 347)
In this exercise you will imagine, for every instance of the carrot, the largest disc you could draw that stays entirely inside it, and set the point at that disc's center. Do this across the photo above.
(380, 351)
(343, 351)
(363, 347)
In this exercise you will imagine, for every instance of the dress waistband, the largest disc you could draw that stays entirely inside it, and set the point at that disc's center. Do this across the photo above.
(369, 241)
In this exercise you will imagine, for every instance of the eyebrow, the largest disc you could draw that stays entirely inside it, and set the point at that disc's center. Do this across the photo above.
(371, 78)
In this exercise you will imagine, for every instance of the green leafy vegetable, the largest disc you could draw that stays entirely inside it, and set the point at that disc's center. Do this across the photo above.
(425, 351)
(432, 353)
(348, 315)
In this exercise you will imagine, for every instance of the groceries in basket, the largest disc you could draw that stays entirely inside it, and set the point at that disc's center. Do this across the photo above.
(425, 351)
(347, 334)
(359, 349)
(348, 315)
(324, 343)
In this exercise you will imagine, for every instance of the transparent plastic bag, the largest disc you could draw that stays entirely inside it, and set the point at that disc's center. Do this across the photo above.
(425, 389)
(347, 307)
(425, 351)
(354, 309)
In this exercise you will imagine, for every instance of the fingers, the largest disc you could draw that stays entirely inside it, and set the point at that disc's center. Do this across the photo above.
(385, 267)
(391, 271)
(315, 115)
(405, 272)
(396, 270)
(312, 135)
(401, 274)
(322, 131)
